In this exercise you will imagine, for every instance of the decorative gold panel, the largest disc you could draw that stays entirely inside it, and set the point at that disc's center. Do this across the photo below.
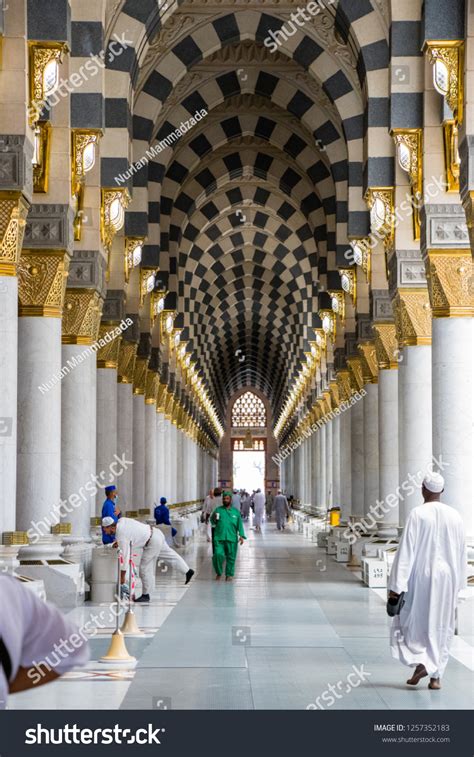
(13, 211)
(412, 317)
(355, 366)
(139, 375)
(451, 155)
(81, 316)
(344, 384)
(386, 345)
(370, 369)
(450, 282)
(108, 355)
(126, 362)
(151, 387)
(451, 54)
(42, 282)
(161, 398)
(334, 391)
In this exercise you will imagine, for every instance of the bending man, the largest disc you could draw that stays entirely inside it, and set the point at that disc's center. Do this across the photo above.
(154, 546)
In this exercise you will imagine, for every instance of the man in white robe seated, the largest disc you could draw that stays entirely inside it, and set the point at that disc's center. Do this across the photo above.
(431, 567)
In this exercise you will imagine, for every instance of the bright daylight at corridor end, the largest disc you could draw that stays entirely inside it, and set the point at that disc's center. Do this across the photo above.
(236, 377)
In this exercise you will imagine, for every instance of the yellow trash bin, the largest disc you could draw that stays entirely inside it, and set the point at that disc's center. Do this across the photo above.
(334, 517)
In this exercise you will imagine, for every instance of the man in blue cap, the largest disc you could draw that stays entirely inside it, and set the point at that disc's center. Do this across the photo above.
(162, 516)
(110, 509)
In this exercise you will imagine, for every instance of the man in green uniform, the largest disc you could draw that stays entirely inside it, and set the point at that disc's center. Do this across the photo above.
(228, 532)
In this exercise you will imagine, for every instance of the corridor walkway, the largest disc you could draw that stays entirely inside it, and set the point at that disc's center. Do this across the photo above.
(291, 624)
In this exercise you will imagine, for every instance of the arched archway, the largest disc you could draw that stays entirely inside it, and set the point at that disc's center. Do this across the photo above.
(249, 429)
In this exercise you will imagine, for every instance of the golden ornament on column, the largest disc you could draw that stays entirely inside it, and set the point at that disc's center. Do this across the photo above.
(151, 387)
(370, 370)
(447, 59)
(381, 203)
(409, 145)
(386, 345)
(108, 353)
(412, 313)
(126, 362)
(139, 376)
(355, 367)
(13, 212)
(344, 384)
(42, 278)
(451, 283)
(81, 316)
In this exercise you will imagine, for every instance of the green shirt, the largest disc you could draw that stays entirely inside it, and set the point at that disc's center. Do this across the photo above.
(229, 526)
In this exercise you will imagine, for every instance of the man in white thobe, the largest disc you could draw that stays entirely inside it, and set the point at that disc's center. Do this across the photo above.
(154, 544)
(280, 505)
(259, 508)
(430, 566)
(210, 504)
(236, 500)
(37, 642)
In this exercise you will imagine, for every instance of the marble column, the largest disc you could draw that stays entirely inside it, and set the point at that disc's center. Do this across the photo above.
(329, 464)
(345, 465)
(79, 409)
(357, 458)
(173, 467)
(160, 454)
(371, 447)
(139, 426)
(317, 467)
(453, 416)
(336, 461)
(388, 441)
(415, 423)
(322, 467)
(39, 388)
(106, 426)
(151, 393)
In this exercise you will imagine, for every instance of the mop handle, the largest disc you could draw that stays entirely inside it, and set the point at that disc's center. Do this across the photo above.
(130, 568)
(117, 614)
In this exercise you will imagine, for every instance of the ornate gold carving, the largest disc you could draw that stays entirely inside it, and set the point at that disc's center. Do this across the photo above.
(13, 211)
(344, 384)
(161, 398)
(349, 282)
(139, 376)
(412, 316)
(81, 316)
(42, 282)
(83, 160)
(112, 214)
(386, 345)
(151, 387)
(126, 362)
(450, 55)
(41, 54)
(108, 355)
(451, 154)
(362, 253)
(409, 144)
(355, 366)
(334, 391)
(370, 369)
(380, 201)
(42, 156)
(450, 283)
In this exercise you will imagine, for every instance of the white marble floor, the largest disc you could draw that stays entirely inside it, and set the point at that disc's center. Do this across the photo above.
(278, 637)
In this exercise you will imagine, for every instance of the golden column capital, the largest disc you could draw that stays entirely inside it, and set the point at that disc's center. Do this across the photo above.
(81, 316)
(139, 376)
(386, 345)
(161, 398)
(450, 283)
(13, 211)
(344, 384)
(412, 316)
(42, 282)
(334, 392)
(370, 368)
(126, 362)
(357, 376)
(109, 345)
(151, 387)
(326, 402)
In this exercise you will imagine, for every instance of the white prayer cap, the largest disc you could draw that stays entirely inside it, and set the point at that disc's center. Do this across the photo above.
(434, 482)
(108, 521)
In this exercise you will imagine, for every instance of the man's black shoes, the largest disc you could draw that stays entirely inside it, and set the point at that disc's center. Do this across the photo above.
(189, 575)
(143, 598)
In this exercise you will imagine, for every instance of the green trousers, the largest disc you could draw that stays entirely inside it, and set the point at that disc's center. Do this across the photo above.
(225, 551)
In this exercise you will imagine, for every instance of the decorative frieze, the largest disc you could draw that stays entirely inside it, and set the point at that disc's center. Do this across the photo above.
(81, 316)
(412, 317)
(42, 282)
(386, 345)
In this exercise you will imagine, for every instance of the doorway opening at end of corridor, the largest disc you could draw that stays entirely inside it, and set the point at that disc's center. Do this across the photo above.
(248, 466)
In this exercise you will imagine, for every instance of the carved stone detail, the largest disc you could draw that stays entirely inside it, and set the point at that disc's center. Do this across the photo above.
(370, 368)
(126, 362)
(108, 355)
(42, 282)
(355, 366)
(344, 384)
(451, 283)
(386, 345)
(13, 213)
(139, 375)
(81, 316)
(412, 317)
